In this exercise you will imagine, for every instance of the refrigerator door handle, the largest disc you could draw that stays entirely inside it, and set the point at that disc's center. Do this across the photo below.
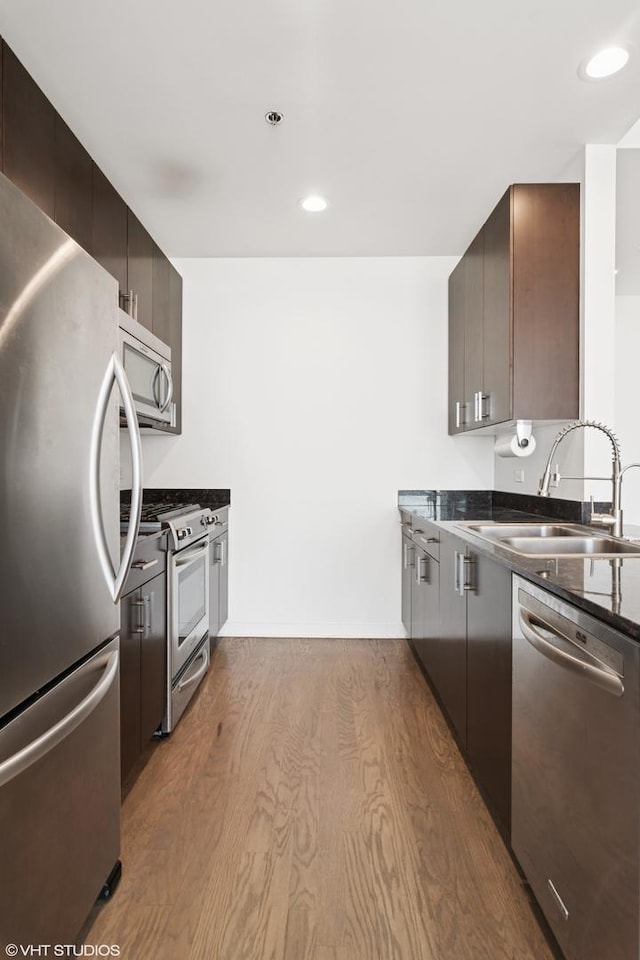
(115, 374)
(15, 765)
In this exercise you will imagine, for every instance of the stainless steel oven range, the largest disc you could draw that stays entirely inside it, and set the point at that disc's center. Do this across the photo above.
(187, 599)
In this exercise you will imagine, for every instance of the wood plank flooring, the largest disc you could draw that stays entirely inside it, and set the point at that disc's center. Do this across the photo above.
(312, 805)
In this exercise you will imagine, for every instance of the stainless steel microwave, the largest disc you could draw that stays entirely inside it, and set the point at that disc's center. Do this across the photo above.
(147, 364)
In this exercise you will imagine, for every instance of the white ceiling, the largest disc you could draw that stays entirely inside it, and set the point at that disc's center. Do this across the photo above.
(412, 116)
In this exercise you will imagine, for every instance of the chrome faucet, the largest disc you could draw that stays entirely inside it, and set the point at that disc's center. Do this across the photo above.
(611, 520)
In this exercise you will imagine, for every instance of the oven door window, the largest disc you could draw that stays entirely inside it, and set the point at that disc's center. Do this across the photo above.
(192, 596)
(144, 376)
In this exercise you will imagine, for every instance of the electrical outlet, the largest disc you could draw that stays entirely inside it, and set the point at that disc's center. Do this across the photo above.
(555, 476)
(518, 475)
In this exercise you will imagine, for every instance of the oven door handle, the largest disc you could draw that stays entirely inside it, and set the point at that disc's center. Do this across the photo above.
(115, 374)
(190, 556)
(606, 681)
(187, 681)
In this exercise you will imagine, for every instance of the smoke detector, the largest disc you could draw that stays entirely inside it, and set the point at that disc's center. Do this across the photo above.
(274, 117)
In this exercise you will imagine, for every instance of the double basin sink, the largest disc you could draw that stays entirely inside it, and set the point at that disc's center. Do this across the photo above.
(551, 540)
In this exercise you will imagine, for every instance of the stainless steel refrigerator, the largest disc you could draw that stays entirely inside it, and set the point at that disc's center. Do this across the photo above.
(60, 576)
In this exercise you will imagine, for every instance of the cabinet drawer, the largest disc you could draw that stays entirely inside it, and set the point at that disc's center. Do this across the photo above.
(427, 537)
(149, 561)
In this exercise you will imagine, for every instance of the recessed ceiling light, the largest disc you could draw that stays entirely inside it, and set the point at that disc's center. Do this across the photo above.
(605, 63)
(314, 203)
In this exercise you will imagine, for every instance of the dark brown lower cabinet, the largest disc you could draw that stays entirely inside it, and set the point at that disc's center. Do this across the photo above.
(489, 682)
(407, 581)
(143, 657)
(425, 605)
(448, 656)
(461, 633)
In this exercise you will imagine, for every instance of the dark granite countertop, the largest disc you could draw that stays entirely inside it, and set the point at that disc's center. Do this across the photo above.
(607, 589)
(215, 499)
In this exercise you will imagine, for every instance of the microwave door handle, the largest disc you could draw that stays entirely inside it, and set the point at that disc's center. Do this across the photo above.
(167, 400)
(154, 387)
(115, 374)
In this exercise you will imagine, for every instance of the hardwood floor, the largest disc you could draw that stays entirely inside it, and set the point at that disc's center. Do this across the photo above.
(312, 805)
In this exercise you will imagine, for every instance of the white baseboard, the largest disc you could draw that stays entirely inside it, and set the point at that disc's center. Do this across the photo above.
(374, 631)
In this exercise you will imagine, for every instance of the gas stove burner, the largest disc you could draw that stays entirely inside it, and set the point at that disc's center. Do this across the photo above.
(169, 511)
(158, 512)
(185, 522)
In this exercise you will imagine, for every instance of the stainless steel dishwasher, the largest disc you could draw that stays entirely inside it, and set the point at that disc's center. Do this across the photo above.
(576, 773)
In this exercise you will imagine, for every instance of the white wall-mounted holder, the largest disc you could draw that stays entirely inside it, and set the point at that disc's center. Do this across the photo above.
(522, 443)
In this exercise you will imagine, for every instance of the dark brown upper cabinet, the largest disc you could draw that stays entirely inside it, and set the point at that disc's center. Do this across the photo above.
(140, 269)
(514, 312)
(109, 228)
(175, 341)
(28, 134)
(160, 295)
(1, 106)
(473, 319)
(456, 347)
(43, 157)
(73, 191)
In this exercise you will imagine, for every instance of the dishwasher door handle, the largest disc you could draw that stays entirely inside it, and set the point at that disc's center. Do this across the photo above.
(606, 681)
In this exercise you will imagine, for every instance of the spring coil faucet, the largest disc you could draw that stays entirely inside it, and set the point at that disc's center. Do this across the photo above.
(614, 519)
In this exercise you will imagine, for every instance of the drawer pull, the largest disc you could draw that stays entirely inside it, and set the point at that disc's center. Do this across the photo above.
(144, 564)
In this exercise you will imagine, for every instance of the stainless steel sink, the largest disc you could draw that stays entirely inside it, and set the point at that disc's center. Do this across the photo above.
(498, 531)
(551, 540)
(579, 546)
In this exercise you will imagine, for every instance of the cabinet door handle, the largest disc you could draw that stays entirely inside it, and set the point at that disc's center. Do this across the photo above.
(220, 554)
(461, 583)
(459, 419)
(478, 398)
(405, 556)
(144, 623)
(484, 412)
(147, 612)
(467, 582)
(420, 577)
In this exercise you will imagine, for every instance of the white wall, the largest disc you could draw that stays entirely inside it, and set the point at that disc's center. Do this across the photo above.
(570, 460)
(315, 389)
(627, 354)
(598, 327)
